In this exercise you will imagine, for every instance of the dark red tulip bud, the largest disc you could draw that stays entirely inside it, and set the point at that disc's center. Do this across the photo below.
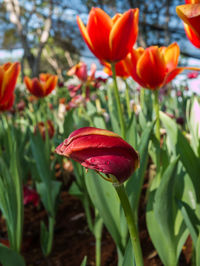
(101, 150)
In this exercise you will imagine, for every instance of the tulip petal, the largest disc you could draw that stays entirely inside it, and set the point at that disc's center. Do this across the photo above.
(85, 131)
(37, 88)
(190, 14)
(7, 105)
(192, 1)
(171, 56)
(1, 82)
(192, 36)
(151, 68)
(116, 164)
(171, 75)
(50, 85)
(11, 73)
(85, 35)
(99, 27)
(130, 63)
(28, 83)
(124, 34)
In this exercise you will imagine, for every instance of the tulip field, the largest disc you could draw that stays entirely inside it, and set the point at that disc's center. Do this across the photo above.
(111, 161)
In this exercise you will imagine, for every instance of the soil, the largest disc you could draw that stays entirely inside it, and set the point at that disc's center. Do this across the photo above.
(73, 240)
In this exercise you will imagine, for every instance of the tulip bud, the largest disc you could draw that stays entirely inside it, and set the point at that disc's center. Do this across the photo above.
(41, 126)
(101, 150)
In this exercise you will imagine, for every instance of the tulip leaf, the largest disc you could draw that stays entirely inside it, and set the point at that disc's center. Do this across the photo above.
(197, 251)
(9, 257)
(68, 123)
(105, 199)
(84, 261)
(42, 163)
(129, 256)
(134, 184)
(182, 147)
(113, 111)
(49, 195)
(131, 136)
(190, 219)
(163, 217)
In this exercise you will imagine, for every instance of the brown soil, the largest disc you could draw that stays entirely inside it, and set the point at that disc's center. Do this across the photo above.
(73, 240)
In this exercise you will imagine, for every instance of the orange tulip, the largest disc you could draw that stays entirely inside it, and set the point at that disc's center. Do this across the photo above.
(154, 67)
(8, 77)
(110, 39)
(43, 86)
(120, 69)
(190, 14)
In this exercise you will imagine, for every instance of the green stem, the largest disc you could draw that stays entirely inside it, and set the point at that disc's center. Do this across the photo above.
(119, 108)
(142, 100)
(156, 110)
(86, 205)
(51, 233)
(134, 235)
(98, 235)
(128, 99)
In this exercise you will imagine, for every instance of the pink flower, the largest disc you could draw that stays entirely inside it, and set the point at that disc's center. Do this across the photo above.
(192, 75)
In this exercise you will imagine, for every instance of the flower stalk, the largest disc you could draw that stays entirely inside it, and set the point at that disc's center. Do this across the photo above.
(119, 108)
(134, 235)
(157, 127)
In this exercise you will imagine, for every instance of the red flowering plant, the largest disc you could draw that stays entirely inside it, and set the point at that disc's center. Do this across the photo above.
(9, 73)
(190, 15)
(110, 40)
(106, 152)
(88, 81)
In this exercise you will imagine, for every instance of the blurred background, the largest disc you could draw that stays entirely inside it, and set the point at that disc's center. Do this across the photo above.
(43, 34)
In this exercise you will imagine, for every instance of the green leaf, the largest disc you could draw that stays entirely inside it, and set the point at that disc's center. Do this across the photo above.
(105, 199)
(134, 184)
(181, 146)
(75, 190)
(132, 131)
(68, 123)
(49, 195)
(197, 251)
(129, 256)
(190, 219)
(44, 237)
(42, 164)
(9, 257)
(113, 111)
(84, 261)
(165, 225)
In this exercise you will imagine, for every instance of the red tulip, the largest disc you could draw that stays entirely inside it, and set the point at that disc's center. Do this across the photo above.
(190, 14)
(101, 150)
(110, 39)
(41, 126)
(154, 67)
(80, 70)
(9, 73)
(43, 86)
(120, 68)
